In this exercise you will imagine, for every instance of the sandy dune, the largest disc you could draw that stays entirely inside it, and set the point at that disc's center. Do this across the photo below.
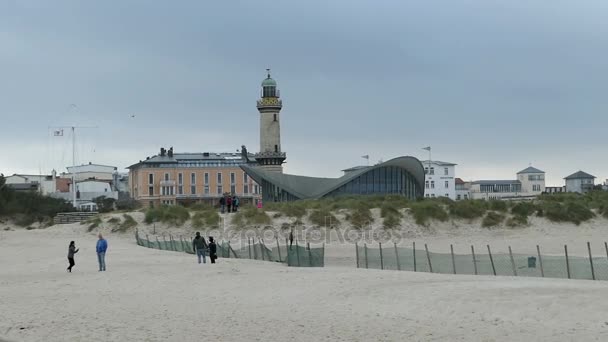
(150, 295)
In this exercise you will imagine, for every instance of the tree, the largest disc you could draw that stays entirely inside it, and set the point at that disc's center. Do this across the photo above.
(104, 204)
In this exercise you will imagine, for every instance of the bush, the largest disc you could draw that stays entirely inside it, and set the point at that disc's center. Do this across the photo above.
(492, 219)
(174, 214)
(322, 217)
(517, 221)
(424, 211)
(498, 205)
(361, 216)
(391, 221)
(251, 216)
(207, 218)
(523, 209)
(471, 209)
(569, 211)
(129, 222)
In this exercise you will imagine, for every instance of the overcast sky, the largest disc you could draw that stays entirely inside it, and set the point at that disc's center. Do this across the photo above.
(493, 86)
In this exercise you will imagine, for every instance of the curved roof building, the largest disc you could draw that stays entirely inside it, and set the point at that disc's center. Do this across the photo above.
(399, 176)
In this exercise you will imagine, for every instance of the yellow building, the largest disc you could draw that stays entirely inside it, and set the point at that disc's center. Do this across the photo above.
(187, 178)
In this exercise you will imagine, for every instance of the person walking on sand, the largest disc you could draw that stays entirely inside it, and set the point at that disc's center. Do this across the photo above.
(71, 251)
(291, 238)
(212, 250)
(235, 203)
(102, 247)
(200, 247)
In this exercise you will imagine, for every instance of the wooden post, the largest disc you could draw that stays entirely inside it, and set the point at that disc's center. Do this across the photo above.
(540, 262)
(591, 261)
(381, 259)
(357, 253)
(453, 260)
(309, 254)
(278, 248)
(512, 262)
(491, 260)
(249, 244)
(232, 250)
(474, 260)
(298, 253)
(255, 252)
(397, 257)
(261, 248)
(365, 250)
(567, 261)
(414, 244)
(428, 257)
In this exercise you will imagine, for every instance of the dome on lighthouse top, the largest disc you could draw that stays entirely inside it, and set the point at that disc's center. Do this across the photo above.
(269, 82)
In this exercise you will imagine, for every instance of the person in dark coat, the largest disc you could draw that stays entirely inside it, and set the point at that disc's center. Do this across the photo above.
(71, 251)
(235, 204)
(200, 247)
(229, 204)
(212, 250)
(222, 204)
(291, 237)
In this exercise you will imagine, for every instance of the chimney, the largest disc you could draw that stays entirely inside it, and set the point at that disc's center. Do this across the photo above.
(162, 151)
(171, 151)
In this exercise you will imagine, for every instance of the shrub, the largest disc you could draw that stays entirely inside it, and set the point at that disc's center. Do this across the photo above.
(492, 219)
(207, 218)
(517, 221)
(523, 209)
(498, 205)
(114, 220)
(569, 211)
(94, 223)
(129, 222)
(251, 216)
(424, 211)
(389, 209)
(391, 221)
(322, 217)
(174, 214)
(361, 216)
(471, 209)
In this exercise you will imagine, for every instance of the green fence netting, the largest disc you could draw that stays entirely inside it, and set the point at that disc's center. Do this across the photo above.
(299, 256)
(250, 250)
(483, 262)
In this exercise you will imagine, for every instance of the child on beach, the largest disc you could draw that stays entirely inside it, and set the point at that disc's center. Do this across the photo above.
(71, 251)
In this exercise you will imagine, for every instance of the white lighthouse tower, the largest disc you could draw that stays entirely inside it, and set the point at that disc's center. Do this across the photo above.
(270, 157)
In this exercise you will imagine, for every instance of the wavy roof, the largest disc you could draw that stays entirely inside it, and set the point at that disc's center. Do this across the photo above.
(316, 187)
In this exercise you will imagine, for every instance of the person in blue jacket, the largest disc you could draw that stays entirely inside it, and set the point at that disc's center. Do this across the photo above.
(102, 246)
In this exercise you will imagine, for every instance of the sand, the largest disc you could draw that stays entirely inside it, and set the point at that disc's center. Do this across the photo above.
(151, 295)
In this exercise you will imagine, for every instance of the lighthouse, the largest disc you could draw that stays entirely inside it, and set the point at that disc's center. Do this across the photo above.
(270, 157)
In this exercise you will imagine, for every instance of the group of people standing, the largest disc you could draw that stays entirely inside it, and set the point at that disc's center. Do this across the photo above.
(201, 247)
(101, 248)
(229, 204)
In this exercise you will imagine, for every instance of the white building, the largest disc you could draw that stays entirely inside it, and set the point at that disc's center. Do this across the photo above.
(580, 182)
(530, 183)
(91, 171)
(463, 189)
(45, 184)
(439, 179)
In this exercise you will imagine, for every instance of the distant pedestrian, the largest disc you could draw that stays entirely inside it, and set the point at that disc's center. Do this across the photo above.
(102, 247)
(212, 250)
(291, 238)
(229, 204)
(222, 204)
(200, 247)
(71, 251)
(235, 203)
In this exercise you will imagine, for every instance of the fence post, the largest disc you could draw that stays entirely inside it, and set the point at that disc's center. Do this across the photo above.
(397, 256)
(357, 253)
(158, 242)
(309, 254)
(428, 257)
(148, 241)
(540, 262)
(491, 260)
(261, 249)
(606, 246)
(278, 248)
(381, 259)
(165, 241)
(453, 261)
(249, 244)
(474, 260)
(255, 252)
(512, 262)
(567, 261)
(365, 250)
(298, 253)
(591, 260)
(414, 244)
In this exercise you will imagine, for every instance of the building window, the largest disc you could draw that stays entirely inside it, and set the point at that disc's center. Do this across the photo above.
(432, 195)
(193, 189)
(219, 190)
(255, 189)
(274, 117)
(219, 178)
(232, 178)
(466, 196)
(193, 178)
(427, 195)
(166, 176)
(206, 189)
(276, 148)
(245, 178)
(432, 184)
(447, 184)
(447, 195)
(426, 170)
(180, 190)
(432, 171)
(427, 184)
(458, 197)
(151, 178)
(245, 189)
(151, 191)
(233, 189)
(180, 178)
(206, 178)
(445, 171)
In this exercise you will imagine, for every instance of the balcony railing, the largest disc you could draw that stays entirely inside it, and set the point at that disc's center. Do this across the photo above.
(167, 183)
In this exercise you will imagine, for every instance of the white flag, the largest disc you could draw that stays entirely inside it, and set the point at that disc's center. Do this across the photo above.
(58, 133)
